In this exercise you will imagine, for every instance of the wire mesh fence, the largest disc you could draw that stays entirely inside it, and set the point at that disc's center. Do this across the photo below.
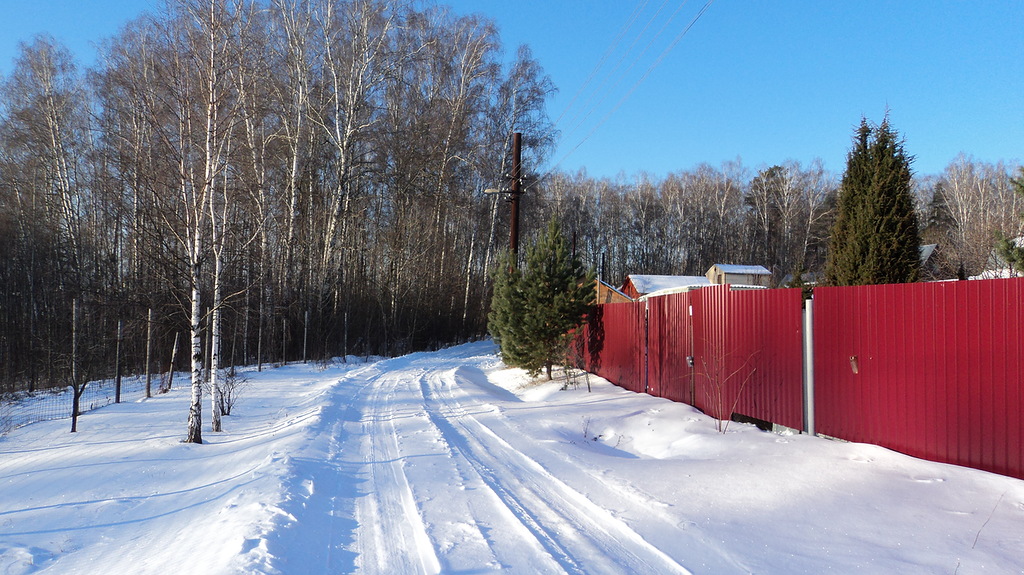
(23, 408)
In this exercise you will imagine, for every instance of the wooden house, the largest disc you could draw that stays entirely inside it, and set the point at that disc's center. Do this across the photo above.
(609, 294)
(721, 274)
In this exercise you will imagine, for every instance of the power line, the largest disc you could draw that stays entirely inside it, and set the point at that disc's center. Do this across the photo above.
(661, 57)
(601, 92)
(621, 77)
(604, 57)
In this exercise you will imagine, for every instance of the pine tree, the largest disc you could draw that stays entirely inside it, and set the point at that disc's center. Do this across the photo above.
(875, 238)
(506, 301)
(534, 311)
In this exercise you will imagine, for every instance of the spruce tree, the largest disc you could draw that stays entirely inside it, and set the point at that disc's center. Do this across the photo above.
(875, 238)
(534, 311)
(1009, 250)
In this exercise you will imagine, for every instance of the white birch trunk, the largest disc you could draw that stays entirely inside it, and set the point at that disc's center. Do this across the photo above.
(195, 410)
(215, 348)
(469, 283)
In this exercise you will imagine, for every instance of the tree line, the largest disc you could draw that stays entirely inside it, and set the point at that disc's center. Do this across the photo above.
(288, 179)
(274, 178)
(779, 216)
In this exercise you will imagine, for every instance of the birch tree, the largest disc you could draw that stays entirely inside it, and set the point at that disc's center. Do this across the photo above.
(45, 144)
(215, 25)
(350, 139)
(356, 51)
(976, 201)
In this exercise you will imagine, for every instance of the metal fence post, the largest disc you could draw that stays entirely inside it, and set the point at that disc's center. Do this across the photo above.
(809, 366)
(647, 347)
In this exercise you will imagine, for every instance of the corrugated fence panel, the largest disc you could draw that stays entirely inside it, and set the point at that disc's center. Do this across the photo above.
(748, 354)
(770, 323)
(932, 370)
(669, 334)
(716, 363)
(615, 344)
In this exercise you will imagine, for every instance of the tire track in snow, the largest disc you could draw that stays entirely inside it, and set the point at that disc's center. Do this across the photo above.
(393, 537)
(469, 525)
(322, 487)
(581, 536)
(446, 492)
(658, 525)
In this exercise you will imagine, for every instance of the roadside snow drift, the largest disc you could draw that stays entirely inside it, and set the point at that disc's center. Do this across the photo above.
(448, 462)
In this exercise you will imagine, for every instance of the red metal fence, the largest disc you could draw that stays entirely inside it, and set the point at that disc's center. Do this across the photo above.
(613, 346)
(720, 350)
(670, 343)
(748, 351)
(931, 369)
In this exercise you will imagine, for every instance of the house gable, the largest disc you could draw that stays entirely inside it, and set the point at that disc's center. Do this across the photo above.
(739, 275)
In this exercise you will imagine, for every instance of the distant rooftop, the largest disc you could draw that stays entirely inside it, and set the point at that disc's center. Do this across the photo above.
(744, 270)
(652, 283)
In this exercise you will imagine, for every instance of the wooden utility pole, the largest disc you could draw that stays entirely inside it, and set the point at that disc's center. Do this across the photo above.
(117, 361)
(305, 337)
(170, 370)
(515, 190)
(76, 386)
(149, 353)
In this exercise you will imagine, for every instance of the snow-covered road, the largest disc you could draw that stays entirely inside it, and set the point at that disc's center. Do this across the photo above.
(447, 492)
(447, 462)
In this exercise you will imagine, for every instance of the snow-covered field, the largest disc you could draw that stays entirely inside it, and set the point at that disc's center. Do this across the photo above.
(447, 462)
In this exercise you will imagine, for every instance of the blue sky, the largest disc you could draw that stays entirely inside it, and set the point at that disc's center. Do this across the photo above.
(764, 81)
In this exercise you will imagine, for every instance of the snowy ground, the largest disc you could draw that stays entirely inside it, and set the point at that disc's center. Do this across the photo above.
(448, 463)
